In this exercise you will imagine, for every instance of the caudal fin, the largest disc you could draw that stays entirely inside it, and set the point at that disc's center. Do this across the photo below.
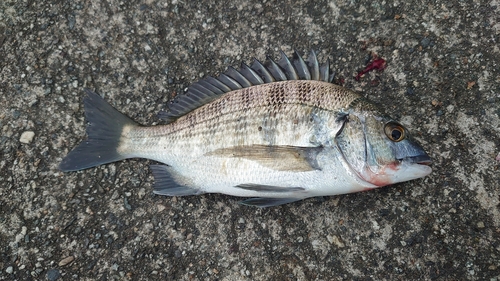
(105, 125)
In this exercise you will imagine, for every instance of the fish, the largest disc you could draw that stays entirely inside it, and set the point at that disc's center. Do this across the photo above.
(275, 132)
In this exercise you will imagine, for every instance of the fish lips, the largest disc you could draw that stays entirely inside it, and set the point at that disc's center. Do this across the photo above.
(415, 166)
(419, 159)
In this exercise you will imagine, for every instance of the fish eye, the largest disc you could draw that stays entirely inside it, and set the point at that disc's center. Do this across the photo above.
(394, 131)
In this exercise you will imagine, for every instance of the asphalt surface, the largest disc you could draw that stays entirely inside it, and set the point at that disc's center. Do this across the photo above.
(442, 80)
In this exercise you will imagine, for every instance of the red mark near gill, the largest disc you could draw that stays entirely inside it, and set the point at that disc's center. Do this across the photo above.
(376, 64)
(383, 177)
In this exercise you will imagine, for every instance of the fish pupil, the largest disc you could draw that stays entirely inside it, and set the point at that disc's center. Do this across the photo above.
(396, 134)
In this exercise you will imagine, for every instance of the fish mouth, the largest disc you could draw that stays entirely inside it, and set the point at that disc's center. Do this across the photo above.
(418, 159)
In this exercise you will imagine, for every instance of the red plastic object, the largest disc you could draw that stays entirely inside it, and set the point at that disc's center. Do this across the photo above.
(377, 64)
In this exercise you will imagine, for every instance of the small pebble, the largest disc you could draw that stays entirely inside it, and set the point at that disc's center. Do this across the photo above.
(436, 103)
(334, 239)
(160, 208)
(53, 274)
(71, 22)
(384, 212)
(126, 204)
(498, 157)
(425, 42)
(178, 254)
(66, 261)
(9, 270)
(27, 137)
(16, 114)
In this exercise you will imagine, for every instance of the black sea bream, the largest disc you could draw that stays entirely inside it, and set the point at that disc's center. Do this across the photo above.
(276, 131)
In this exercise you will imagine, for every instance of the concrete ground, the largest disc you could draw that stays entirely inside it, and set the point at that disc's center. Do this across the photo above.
(442, 80)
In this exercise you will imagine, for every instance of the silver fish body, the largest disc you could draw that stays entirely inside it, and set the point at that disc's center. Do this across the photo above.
(260, 132)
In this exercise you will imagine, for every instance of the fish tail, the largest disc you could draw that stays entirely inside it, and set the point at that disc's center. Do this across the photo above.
(104, 130)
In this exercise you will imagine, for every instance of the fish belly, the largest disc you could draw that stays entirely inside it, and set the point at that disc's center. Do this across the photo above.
(221, 174)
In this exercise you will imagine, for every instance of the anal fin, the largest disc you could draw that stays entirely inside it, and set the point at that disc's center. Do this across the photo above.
(170, 183)
(267, 202)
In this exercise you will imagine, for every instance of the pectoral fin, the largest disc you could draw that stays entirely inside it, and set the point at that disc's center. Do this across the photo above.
(280, 158)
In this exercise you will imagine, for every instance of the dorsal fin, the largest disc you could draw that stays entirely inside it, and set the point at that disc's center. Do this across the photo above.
(209, 89)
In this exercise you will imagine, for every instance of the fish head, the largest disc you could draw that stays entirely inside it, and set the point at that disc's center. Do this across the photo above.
(380, 150)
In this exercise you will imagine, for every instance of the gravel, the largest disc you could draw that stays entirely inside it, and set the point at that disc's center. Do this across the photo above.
(442, 80)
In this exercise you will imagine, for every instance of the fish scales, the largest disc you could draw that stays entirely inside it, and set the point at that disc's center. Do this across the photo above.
(281, 109)
(249, 134)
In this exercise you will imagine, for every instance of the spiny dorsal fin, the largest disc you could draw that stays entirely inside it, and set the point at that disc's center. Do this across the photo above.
(209, 89)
